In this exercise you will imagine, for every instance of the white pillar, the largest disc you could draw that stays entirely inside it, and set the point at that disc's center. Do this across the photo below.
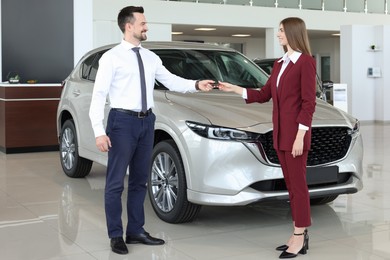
(367, 96)
(159, 32)
(82, 28)
(272, 45)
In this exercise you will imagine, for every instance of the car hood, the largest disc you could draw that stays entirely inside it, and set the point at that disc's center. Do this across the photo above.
(230, 110)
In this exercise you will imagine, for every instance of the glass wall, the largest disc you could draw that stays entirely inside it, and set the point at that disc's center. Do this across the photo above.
(358, 6)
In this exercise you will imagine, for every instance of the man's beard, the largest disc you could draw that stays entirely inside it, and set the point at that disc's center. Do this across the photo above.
(141, 37)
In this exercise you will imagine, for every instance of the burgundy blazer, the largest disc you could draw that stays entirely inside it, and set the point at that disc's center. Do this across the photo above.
(294, 100)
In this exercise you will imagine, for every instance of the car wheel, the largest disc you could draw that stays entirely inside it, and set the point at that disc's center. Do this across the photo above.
(167, 186)
(323, 200)
(73, 165)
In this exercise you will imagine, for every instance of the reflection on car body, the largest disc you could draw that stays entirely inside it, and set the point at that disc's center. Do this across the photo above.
(212, 148)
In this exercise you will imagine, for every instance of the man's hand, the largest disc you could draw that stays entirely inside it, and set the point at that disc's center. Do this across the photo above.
(103, 143)
(206, 85)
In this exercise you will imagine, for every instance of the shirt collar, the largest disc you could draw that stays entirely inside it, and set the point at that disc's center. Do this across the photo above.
(128, 46)
(293, 57)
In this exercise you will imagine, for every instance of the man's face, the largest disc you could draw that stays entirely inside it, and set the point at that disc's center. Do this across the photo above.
(139, 28)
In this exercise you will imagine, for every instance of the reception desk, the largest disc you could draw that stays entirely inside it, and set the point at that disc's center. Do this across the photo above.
(28, 117)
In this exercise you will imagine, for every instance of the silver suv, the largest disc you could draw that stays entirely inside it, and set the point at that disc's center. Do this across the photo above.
(210, 148)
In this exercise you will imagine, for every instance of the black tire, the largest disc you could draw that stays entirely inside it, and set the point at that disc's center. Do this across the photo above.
(72, 164)
(322, 200)
(167, 186)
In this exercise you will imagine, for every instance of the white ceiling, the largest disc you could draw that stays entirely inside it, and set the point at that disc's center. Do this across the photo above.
(224, 31)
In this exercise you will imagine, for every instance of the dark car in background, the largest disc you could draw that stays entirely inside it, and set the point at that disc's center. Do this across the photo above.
(322, 86)
(211, 148)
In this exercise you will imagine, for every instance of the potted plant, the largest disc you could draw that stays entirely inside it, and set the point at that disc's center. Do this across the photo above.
(13, 78)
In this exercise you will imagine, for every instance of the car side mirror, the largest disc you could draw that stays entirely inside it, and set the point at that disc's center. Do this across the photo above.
(327, 84)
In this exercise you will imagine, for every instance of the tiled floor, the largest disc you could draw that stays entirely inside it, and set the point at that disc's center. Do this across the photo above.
(46, 215)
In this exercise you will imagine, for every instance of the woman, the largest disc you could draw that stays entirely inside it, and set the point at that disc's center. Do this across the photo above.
(292, 89)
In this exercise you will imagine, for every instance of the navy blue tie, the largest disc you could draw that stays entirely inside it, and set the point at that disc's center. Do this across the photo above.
(142, 76)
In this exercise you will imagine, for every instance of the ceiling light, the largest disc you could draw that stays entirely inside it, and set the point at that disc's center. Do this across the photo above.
(241, 35)
(177, 33)
(205, 29)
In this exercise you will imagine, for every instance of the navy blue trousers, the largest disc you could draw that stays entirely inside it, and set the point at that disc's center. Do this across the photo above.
(132, 143)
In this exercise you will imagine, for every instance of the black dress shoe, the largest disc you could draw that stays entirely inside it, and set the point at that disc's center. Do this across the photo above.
(118, 246)
(143, 238)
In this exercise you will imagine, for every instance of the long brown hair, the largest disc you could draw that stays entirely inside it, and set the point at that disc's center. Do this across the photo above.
(296, 34)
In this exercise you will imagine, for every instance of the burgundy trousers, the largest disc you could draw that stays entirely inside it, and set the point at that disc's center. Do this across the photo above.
(294, 172)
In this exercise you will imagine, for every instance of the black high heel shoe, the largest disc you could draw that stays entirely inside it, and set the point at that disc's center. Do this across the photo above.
(303, 250)
(282, 248)
(285, 247)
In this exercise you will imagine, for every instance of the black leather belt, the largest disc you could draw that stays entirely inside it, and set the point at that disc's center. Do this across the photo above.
(134, 113)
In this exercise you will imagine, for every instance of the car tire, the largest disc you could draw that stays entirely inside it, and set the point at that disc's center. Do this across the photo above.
(167, 187)
(72, 164)
(322, 200)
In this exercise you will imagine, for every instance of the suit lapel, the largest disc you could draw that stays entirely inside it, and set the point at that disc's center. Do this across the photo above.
(275, 72)
(281, 81)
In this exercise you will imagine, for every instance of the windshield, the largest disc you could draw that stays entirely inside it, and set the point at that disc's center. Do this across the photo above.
(226, 66)
(267, 65)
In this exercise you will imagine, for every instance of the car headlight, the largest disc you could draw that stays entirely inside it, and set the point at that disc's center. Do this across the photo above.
(221, 133)
(355, 130)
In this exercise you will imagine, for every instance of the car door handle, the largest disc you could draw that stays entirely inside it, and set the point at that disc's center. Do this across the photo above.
(76, 92)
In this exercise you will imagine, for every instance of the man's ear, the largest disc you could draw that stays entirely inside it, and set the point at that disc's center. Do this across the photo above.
(128, 27)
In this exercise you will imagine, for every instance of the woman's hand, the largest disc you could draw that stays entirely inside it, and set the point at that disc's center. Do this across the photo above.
(227, 87)
(297, 148)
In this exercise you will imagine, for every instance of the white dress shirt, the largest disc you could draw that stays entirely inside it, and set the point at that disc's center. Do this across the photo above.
(286, 60)
(118, 77)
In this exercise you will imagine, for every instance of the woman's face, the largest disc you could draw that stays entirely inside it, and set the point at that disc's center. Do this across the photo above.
(282, 36)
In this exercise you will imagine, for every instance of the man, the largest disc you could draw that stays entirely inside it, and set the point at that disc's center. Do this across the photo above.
(128, 138)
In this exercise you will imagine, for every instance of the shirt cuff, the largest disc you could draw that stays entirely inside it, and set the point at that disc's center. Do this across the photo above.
(303, 127)
(244, 94)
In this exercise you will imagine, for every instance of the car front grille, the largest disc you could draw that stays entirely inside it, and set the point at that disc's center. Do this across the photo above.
(280, 184)
(328, 144)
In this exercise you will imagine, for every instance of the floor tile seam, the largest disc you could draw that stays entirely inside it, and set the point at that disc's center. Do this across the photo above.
(181, 251)
(368, 205)
(70, 255)
(36, 218)
(269, 250)
(255, 245)
(340, 240)
(74, 243)
(212, 233)
(338, 244)
(362, 203)
(318, 236)
(192, 257)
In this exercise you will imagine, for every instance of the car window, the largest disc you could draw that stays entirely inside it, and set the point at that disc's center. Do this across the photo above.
(209, 64)
(267, 66)
(86, 66)
(90, 66)
(94, 67)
